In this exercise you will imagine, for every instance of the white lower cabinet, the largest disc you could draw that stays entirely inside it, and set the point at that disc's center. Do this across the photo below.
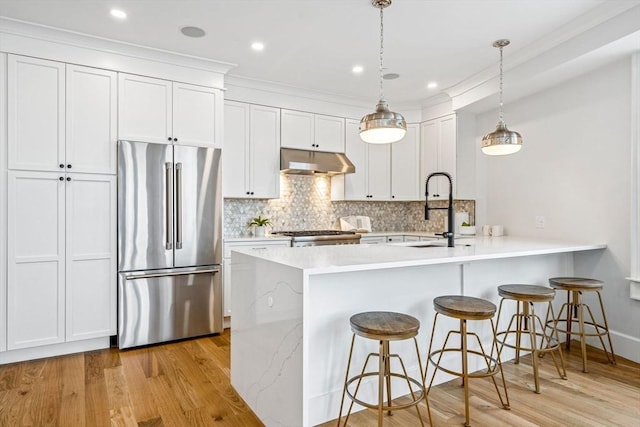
(255, 244)
(61, 258)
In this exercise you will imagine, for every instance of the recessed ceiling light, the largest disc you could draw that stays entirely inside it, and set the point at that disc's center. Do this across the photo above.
(192, 31)
(391, 76)
(257, 46)
(357, 69)
(116, 13)
(432, 85)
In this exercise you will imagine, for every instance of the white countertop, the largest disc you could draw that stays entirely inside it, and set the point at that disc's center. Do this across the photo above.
(342, 258)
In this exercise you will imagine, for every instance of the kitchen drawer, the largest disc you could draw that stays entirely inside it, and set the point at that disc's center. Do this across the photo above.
(373, 240)
(395, 239)
(228, 247)
(411, 238)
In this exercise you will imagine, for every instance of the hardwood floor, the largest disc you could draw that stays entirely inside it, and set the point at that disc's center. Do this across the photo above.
(187, 384)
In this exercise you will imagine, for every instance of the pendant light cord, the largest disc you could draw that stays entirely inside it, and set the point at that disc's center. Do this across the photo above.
(501, 101)
(381, 52)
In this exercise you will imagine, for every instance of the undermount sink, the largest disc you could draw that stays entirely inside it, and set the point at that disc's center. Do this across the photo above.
(429, 244)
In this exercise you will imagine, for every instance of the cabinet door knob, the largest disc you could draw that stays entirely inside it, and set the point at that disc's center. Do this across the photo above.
(61, 178)
(175, 139)
(252, 193)
(61, 166)
(248, 193)
(69, 166)
(393, 197)
(68, 178)
(169, 139)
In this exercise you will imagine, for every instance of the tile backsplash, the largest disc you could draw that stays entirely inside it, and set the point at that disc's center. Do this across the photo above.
(305, 204)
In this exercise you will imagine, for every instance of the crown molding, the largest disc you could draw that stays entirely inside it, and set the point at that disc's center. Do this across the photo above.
(48, 34)
(602, 26)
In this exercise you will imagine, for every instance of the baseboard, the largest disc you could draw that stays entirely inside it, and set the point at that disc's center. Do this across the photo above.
(40, 352)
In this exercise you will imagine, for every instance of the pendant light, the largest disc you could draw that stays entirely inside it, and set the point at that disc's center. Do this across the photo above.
(383, 126)
(502, 140)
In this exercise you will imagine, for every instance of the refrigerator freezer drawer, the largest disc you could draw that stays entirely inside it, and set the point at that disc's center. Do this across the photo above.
(165, 305)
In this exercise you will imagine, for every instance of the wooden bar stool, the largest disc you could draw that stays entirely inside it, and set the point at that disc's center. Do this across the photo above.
(525, 319)
(384, 327)
(575, 287)
(467, 308)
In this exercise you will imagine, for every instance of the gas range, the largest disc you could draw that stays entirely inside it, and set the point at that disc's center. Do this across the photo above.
(320, 237)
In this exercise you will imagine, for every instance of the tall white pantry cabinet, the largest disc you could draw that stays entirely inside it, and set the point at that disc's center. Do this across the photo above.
(61, 202)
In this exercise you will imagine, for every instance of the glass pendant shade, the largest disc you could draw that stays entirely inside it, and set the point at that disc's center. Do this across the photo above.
(383, 126)
(501, 141)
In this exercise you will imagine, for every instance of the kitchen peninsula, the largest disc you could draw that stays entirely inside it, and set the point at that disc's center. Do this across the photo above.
(291, 309)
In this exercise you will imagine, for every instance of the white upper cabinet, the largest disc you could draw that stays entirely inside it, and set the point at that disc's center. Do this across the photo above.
(61, 119)
(36, 100)
(91, 120)
(329, 133)
(251, 161)
(372, 179)
(308, 131)
(379, 171)
(438, 154)
(161, 111)
(196, 110)
(405, 166)
(356, 185)
(144, 109)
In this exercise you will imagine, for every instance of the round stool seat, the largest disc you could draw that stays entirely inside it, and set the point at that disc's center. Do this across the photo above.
(384, 325)
(462, 307)
(575, 284)
(533, 293)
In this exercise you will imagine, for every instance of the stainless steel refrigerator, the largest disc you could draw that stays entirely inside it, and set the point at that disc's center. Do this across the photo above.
(169, 242)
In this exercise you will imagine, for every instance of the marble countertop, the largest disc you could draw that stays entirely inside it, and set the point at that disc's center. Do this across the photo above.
(343, 258)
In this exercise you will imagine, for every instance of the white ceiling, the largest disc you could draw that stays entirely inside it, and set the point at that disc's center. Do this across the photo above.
(313, 44)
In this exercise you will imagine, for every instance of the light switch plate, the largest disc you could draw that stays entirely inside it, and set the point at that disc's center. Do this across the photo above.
(539, 221)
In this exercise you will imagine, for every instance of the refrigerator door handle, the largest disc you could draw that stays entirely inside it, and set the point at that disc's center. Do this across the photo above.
(179, 205)
(177, 273)
(167, 209)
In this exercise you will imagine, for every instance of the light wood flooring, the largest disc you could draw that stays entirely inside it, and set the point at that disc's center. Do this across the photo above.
(187, 384)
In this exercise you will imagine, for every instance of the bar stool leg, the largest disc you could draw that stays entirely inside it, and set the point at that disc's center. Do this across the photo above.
(519, 319)
(583, 340)
(504, 383)
(381, 378)
(346, 378)
(606, 325)
(549, 338)
(529, 311)
(463, 338)
(570, 309)
(387, 372)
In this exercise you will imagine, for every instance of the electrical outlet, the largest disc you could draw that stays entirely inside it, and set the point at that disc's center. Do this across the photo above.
(539, 222)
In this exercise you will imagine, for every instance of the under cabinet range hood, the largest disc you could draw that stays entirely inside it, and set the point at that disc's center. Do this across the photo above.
(306, 162)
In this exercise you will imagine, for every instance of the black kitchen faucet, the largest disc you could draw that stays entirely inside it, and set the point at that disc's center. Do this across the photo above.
(448, 234)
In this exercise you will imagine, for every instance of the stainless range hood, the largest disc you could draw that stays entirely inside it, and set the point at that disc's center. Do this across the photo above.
(306, 162)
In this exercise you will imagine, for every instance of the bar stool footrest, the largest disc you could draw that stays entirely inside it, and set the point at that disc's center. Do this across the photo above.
(496, 370)
(419, 393)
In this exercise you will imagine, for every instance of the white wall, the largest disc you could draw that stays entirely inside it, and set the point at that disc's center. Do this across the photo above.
(573, 169)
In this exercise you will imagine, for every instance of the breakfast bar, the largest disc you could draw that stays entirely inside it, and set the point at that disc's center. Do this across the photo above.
(291, 310)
